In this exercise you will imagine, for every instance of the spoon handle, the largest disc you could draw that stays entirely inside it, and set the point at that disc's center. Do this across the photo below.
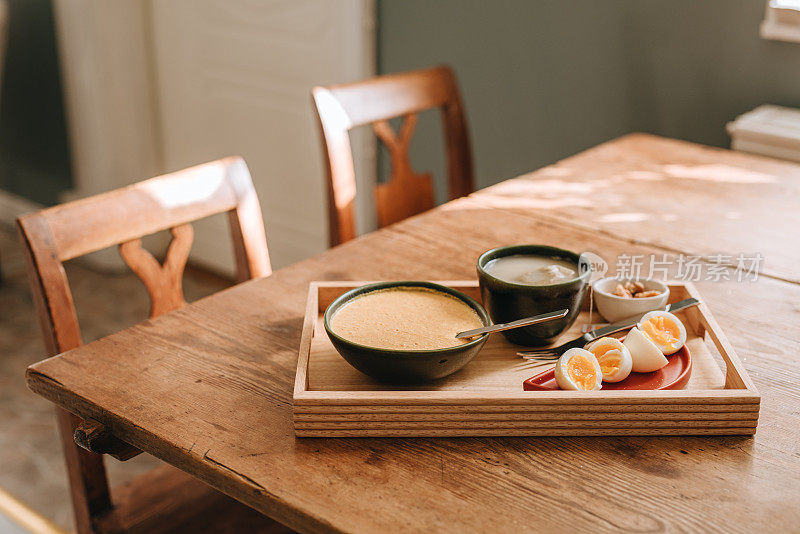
(514, 324)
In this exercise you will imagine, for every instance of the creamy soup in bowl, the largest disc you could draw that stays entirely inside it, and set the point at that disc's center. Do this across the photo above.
(405, 331)
(405, 318)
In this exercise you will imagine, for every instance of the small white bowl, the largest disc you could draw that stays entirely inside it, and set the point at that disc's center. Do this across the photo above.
(614, 308)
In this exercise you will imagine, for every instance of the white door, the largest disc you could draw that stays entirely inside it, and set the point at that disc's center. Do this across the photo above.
(234, 77)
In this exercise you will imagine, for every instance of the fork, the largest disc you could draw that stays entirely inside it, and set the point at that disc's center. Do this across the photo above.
(554, 353)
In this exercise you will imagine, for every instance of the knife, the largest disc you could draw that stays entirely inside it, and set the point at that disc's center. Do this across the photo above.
(616, 327)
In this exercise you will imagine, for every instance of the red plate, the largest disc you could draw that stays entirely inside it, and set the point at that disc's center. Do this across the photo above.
(674, 375)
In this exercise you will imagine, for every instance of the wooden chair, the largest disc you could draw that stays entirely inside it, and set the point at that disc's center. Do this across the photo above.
(343, 107)
(166, 499)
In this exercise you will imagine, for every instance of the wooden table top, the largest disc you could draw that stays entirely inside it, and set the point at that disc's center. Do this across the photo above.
(208, 388)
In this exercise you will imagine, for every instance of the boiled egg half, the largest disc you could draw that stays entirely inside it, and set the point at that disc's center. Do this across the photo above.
(578, 369)
(663, 329)
(614, 358)
(645, 354)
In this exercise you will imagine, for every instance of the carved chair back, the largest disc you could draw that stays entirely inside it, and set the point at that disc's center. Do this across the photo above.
(341, 108)
(55, 235)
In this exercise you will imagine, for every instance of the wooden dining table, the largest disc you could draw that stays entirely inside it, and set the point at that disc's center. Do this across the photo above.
(208, 388)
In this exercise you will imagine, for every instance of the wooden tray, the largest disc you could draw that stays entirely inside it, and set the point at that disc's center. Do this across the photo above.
(485, 398)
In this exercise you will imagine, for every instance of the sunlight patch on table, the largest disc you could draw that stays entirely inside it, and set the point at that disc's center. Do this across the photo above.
(719, 173)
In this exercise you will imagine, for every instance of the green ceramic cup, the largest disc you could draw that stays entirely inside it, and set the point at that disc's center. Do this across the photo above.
(405, 366)
(508, 301)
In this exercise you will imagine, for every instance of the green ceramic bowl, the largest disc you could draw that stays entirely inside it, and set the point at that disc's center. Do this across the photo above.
(508, 301)
(405, 366)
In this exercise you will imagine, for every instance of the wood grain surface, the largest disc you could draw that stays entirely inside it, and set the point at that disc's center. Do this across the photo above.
(655, 190)
(208, 387)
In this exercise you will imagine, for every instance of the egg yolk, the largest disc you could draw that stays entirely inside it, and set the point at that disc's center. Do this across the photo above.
(582, 371)
(661, 331)
(609, 358)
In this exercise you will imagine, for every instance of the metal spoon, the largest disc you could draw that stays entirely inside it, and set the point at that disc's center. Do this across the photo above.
(514, 324)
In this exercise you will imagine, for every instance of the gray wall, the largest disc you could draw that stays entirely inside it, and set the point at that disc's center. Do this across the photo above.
(547, 78)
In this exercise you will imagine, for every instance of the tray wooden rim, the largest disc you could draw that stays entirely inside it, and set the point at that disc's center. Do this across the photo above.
(739, 396)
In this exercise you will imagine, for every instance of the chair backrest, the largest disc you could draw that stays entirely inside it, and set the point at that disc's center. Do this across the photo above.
(343, 107)
(121, 217)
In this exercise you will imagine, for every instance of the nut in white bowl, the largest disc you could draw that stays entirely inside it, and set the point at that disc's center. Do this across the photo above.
(614, 307)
